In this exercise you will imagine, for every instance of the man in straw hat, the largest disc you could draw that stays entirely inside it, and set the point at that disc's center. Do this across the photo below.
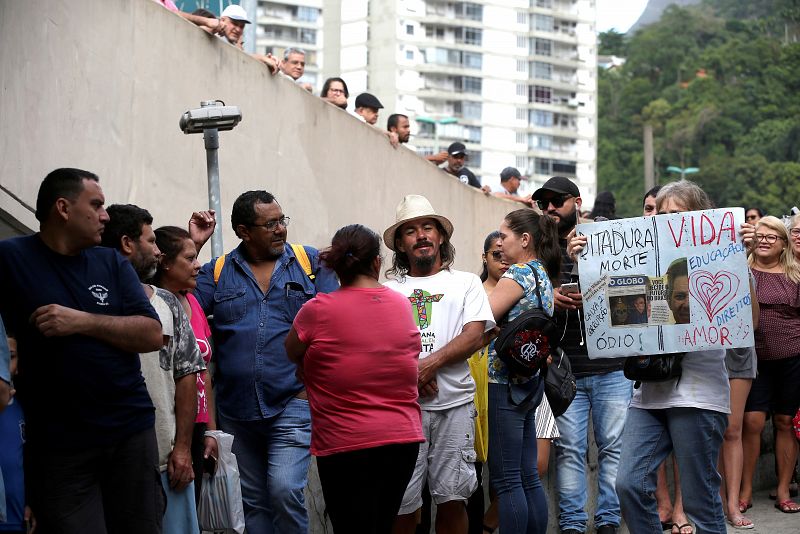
(452, 312)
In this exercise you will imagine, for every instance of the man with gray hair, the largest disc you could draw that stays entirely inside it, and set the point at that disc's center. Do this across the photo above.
(293, 65)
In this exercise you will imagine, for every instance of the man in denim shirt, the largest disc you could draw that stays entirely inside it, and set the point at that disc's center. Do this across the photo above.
(260, 401)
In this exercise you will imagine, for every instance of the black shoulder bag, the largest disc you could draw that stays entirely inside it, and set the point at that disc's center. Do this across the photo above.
(659, 368)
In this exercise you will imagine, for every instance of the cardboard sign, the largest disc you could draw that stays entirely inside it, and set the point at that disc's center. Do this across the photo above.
(668, 283)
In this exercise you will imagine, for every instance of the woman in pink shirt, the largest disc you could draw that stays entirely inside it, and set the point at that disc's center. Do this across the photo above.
(357, 351)
(177, 273)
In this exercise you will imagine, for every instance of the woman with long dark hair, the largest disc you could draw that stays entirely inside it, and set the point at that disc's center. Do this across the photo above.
(357, 350)
(529, 242)
(177, 273)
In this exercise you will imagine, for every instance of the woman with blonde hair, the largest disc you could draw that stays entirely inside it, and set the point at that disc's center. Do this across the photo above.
(777, 274)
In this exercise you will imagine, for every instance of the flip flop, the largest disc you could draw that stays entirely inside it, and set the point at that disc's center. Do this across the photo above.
(741, 523)
(666, 525)
(744, 506)
(787, 507)
(681, 527)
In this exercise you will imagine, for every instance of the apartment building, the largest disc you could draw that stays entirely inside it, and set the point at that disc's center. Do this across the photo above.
(515, 80)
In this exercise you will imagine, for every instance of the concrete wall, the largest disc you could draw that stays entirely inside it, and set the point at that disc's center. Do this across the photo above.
(101, 84)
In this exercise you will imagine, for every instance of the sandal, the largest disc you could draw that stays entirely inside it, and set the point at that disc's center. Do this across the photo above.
(744, 506)
(741, 523)
(788, 506)
(681, 527)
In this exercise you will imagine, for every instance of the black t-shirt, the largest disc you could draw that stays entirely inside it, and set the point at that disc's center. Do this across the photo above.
(573, 326)
(466, 177)
(76, 391)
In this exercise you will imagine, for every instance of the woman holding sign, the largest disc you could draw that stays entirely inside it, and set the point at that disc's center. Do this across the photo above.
(775, 390)
(529, 242)
(685, 415)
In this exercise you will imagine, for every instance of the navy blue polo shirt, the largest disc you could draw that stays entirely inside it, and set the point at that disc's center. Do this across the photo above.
(76, 391)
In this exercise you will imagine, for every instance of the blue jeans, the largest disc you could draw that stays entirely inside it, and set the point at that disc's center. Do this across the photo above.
(273, 457)
(695, 436)
(607, 397)
(512, 464)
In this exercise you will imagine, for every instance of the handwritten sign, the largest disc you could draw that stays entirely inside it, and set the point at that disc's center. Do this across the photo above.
(669, 283)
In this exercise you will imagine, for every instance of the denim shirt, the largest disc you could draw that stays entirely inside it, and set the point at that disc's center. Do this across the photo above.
(254, 378)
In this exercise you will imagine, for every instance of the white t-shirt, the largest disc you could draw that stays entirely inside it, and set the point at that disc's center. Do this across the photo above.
(703, 384)
(442, 304)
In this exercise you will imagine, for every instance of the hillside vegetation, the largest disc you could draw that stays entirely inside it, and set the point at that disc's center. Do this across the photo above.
(720, 84)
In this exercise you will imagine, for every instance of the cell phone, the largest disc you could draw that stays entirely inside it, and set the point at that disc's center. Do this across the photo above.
(209, 465)
(571, 287)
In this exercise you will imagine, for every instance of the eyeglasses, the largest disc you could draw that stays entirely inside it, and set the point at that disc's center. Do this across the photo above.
(795, 232)
(336, 91)
(769, 238)
(497, 255)
(557, 202)
(271, 225)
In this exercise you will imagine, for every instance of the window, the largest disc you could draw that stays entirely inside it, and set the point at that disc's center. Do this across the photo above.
(472, 134)
(564, 167)
(308, 36)
(432, 32)
(471, 110)
(472, 60)
(410, 55)
(471, 36)
(542, 118)
(522, 66)
(547, 4)
(468, 10)
(543, 142)
(475, 160)
(410, 29)
(542, 71)
(544, 23)
(522, 17)
(522, 114)
(522, 162)
(521, 138)
(542, 95)
(307, 14)
(522, 89)
(470, 84)
(543, 47)
(542, 166)
(522, 42)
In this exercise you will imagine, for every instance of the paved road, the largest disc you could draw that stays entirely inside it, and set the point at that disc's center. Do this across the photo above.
(768, 520)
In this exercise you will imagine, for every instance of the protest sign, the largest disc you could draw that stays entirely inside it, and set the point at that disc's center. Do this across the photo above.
(669, 283)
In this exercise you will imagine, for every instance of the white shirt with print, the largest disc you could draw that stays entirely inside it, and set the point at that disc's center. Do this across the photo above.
(441, 305)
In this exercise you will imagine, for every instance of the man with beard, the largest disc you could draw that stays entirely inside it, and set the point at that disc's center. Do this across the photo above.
(603, 390)
(169, 373)
(399, 125)
(254, 293)
(456, 157)
(452, 312)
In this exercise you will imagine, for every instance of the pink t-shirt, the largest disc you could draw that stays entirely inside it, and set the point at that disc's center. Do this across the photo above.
(360, 369)
(203, 334)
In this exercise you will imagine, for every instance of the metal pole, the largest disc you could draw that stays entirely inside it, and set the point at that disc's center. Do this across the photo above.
(649, 167)
(211, 139)
(436, 136)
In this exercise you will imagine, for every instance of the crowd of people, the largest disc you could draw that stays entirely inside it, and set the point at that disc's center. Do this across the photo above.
(112, 324)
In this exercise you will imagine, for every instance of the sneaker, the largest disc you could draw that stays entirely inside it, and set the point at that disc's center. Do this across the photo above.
(607, 529)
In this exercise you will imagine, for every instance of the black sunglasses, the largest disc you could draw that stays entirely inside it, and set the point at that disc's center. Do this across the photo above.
(557, 202)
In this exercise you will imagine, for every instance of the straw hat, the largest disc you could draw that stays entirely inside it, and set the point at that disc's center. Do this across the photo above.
(414, 207)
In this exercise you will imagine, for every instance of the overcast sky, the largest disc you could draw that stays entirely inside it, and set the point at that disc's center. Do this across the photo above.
(618, 14)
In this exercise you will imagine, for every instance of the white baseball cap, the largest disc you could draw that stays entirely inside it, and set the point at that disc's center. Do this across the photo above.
(235, 12)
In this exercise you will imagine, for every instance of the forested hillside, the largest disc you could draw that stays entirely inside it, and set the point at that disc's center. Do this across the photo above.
(720, 84)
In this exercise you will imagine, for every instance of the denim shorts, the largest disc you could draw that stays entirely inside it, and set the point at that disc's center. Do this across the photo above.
(446, 459)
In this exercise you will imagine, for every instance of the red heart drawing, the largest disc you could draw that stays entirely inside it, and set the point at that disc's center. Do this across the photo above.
(713, 291)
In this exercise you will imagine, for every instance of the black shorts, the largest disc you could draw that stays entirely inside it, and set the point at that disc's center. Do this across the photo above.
(776, 389)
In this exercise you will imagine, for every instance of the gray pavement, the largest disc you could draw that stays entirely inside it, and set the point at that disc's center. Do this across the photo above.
(767, 519)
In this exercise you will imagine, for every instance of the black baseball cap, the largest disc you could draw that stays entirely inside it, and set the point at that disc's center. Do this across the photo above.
(557, 184)
(508, 173)
(367, 100)
(456, 148)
